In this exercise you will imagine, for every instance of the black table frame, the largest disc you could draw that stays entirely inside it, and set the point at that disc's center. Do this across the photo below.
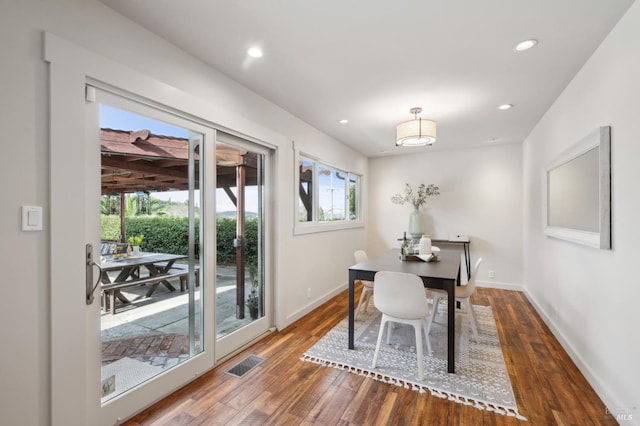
(444, 274)
(465, 248)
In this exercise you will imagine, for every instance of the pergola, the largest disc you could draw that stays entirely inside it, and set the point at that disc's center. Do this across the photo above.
(135, 161)
(139, 161)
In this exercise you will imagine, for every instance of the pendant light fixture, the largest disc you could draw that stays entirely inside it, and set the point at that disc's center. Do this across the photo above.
(416, 132)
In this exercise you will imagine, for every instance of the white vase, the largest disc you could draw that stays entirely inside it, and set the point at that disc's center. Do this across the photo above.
(416, 223)
(425, 245)
(136, 250)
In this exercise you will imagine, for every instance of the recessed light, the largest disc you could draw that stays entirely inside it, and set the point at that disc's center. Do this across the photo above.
(505, 107)
(343, 121)
(525, 45)
(255, 52)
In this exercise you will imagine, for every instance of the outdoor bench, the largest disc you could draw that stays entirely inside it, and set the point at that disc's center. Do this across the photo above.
(110, 290)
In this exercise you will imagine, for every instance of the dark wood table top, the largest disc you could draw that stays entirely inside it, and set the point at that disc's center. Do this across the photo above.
(446, 268)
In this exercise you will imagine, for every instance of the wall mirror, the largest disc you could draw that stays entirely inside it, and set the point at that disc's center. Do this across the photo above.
(577, 186)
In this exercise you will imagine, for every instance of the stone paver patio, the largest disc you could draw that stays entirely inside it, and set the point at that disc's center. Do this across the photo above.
(155, 329)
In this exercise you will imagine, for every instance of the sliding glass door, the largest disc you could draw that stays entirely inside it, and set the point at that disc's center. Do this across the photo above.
(150, 230)
(242, 288)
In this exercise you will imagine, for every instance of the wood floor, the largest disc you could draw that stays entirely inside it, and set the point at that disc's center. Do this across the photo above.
(283, 390)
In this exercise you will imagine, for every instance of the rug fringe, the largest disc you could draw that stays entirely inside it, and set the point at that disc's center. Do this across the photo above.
(481, 405)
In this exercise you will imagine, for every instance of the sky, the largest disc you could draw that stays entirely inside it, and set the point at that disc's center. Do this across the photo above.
(119, 119)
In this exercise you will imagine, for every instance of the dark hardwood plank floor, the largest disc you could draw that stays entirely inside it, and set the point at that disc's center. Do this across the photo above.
(283, 390)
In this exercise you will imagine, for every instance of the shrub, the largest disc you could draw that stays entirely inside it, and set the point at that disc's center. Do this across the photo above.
(168, 234)
(110, 227)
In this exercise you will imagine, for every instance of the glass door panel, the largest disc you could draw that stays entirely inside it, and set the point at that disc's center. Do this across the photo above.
(151, 317)
(240, 225)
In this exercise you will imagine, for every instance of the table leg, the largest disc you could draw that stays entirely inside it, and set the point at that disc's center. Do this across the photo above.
(155, 270)
(467, 259)
(152, 288)
(121, 296)
(352, 279)
(112, 302)
(168, 285)
(109, 299)
(451, 327)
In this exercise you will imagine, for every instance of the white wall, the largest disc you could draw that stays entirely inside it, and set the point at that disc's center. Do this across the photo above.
(480, 194)
(24, 171)
(588, 296)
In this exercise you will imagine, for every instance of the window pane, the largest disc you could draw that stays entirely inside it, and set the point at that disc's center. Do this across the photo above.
(353, 197)
(305, 191)
(332, 192)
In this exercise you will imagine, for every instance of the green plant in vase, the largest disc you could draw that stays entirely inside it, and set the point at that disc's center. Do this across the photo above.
(417, 199)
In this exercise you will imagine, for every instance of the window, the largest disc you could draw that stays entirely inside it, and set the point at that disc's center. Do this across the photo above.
(305, 196)
(327, 197)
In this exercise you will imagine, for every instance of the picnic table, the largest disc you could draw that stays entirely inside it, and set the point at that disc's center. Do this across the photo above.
(160, 267)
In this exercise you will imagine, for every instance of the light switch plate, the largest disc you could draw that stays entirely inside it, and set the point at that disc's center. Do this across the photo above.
(31, 218)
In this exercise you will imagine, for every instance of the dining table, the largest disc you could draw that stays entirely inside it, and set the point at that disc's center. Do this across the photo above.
(158, 266)
(441, 274)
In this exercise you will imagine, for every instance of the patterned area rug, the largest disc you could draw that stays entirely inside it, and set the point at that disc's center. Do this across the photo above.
(481, 378)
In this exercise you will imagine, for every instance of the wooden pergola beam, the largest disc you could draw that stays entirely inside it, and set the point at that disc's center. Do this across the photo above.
(138, 166)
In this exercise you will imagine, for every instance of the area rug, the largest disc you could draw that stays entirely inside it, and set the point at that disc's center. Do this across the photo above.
(481, 379)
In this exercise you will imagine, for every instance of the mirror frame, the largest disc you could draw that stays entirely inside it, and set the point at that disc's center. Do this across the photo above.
(601, 139)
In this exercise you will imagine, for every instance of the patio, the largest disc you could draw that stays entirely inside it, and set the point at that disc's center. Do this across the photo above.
(153, 329)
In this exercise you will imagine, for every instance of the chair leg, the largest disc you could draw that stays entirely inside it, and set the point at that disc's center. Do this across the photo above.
(419, 355)
(383, 322)
(362, 295)
(472, 317)
(368, 293)
(436, 300)
(427, 330)
(390, 328)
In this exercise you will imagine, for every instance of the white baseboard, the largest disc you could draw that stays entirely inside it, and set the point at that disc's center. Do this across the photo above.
(610, 401)
(499, 285)
(294, 316)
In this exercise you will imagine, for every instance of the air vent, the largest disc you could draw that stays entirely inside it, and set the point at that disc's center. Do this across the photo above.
(243, 367)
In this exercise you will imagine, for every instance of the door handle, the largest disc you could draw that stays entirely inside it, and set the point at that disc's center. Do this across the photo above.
(90, 287)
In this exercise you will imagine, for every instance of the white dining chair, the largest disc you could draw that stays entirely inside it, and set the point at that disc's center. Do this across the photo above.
(401, 299)
(367, 286)
(463, 295)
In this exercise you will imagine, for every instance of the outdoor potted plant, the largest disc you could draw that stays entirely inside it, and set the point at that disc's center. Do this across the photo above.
(252, 299)
(135, 242)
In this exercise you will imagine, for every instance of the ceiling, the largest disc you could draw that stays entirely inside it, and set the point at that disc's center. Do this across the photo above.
(371, 61)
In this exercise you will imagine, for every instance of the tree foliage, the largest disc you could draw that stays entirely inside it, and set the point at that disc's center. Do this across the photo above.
(167, 234)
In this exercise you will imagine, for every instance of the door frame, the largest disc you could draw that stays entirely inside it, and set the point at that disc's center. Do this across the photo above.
(122, 406)
(73, 398)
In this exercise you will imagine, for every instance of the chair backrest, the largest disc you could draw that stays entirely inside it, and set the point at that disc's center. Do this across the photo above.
(360, 256)
(400, 295)
(470, 287)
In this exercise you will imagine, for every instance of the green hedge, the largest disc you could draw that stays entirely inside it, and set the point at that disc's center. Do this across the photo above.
(110, 226)
(165, 234)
